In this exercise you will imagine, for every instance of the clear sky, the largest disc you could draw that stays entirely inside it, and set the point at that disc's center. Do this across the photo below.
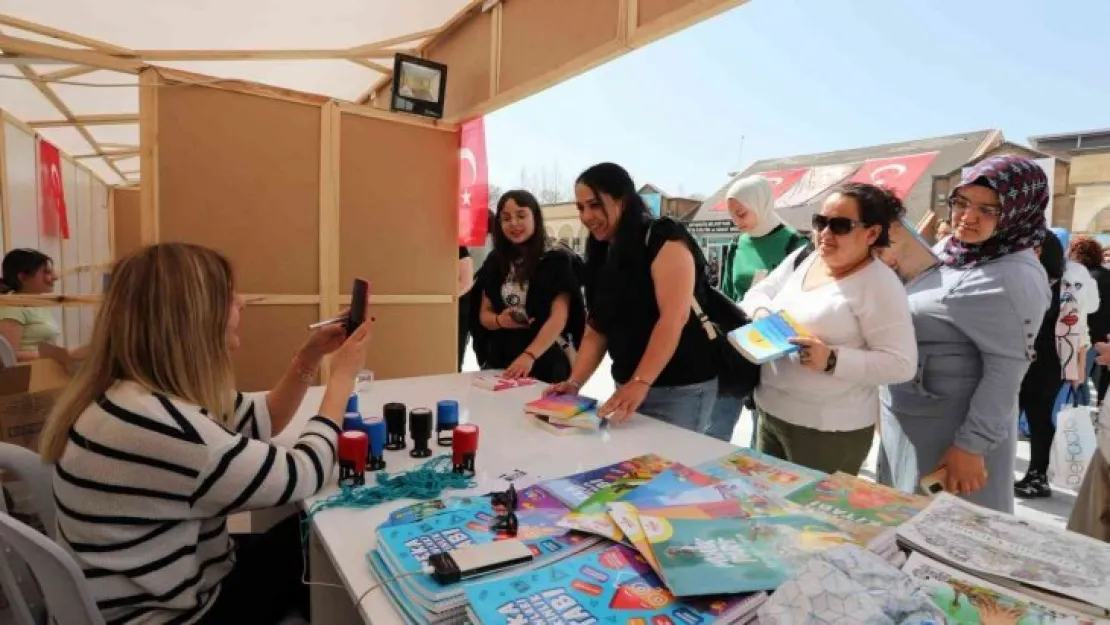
(803, 76)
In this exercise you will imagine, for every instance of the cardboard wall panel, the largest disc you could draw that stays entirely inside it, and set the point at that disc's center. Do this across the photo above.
(398, 213)
(81, 216)
(70, 282)
(413, 340)
(571, 29)
(125, 222)
(269, 338)
(466, 51)
(102, 237)
(240, 173)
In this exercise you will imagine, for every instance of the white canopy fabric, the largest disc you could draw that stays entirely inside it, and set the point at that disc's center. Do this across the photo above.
(344, 39)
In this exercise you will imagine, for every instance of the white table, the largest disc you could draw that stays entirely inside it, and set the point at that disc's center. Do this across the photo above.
(342, 537)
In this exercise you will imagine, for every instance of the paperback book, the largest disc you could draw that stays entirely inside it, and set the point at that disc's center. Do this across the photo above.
(1050, 564)
(767, 338)
(764, 472)
(908, 254)
(613, 585)
(405, 549)
(498, 383)
(865, 510)
(574, 490)
(968, 600)
(560, 406)
(552, 426)
(724, 556)
(592, 516)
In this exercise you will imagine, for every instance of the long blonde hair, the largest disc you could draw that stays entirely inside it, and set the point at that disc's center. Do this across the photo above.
(162, 324)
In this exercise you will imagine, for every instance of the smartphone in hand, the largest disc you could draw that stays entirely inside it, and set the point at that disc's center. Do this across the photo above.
(357, 314)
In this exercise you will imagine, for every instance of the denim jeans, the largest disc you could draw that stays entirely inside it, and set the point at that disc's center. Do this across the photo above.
(1085, 386)
(685, 406)
(724, 417)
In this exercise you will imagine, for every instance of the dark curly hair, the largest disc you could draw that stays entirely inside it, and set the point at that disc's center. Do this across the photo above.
(1085, 251)
(878, 206)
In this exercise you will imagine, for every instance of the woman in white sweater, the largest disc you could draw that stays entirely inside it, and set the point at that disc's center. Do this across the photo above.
(153, 449)
(819, 407)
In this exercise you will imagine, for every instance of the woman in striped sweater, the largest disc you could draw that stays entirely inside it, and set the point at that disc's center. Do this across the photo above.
(153, 449)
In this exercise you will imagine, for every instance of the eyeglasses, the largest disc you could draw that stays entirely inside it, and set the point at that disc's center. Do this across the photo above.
(839, 226)
(960, 203)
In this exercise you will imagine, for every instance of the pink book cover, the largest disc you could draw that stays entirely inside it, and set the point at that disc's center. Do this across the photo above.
(560, 405)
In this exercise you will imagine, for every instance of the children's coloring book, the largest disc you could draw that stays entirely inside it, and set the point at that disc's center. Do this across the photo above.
(861, 508)
(968, 600)
(406, 548)
(724, 556)
(762, 471)
(613, 585)
(767, 338)
(592, 515)
(574, 490)
(1036, 558)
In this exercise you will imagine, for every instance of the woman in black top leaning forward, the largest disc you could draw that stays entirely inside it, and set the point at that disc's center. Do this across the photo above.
(641, 277)
(531, 297)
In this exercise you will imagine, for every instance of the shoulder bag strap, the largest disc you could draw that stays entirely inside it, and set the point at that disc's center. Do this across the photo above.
(703, 319)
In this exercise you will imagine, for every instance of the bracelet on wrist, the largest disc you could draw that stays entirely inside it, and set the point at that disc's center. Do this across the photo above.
(638, 380)
(529, 354)
(305, 373)
(575, 383)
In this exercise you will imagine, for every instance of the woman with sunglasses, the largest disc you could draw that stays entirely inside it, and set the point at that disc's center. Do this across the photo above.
(819, 408)
(976, 316)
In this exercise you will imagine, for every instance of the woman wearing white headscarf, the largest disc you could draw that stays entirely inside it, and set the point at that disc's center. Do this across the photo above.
(763, 243)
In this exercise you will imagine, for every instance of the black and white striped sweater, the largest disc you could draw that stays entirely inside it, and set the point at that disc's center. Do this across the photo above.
(144, 488)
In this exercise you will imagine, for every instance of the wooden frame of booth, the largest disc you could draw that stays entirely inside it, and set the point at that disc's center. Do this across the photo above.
(342, 191)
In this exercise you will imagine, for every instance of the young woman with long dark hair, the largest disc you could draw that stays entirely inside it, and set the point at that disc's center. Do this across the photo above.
(531, 298)
(641, 278)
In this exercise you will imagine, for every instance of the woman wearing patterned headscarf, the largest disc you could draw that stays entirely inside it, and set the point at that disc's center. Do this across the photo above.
(976, 316)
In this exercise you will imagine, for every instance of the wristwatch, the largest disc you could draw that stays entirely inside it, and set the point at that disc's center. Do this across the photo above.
(831, 365)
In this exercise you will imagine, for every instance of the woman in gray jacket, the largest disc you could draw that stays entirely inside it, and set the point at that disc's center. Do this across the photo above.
(975, 316)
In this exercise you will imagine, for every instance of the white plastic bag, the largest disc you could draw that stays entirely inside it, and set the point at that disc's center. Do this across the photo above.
(1072, 448)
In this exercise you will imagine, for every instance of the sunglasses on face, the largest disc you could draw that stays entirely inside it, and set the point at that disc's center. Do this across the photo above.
(839, 226)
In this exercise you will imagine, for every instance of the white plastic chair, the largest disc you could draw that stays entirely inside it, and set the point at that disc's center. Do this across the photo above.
(20, 587)
(38, 477)
(7, 354)
(68, 599)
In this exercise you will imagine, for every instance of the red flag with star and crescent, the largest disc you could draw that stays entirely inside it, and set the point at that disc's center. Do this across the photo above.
(52, 198)
(473, 184)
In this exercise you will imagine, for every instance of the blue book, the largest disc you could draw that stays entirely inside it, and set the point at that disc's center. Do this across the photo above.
(614, 585)
(574, 490)
(699, 557)
(767, 338)
(405, 549)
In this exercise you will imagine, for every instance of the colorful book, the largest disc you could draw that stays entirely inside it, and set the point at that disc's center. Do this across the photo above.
(592, 516)
(968, 600)
(586, 420)
(528, 497)
(574, 490)
(765, 472)
(498, 383)
(908, 254)
(406, 548)
(1041, 561)
(699, 557)
(767, 338)
(560, 405)
(863, 509)
(613, 585)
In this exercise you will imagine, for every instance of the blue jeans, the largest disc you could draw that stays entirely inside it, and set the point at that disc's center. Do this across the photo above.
(685, 406)
(724, 417)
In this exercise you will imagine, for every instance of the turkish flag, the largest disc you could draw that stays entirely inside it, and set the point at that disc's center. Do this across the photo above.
(473, 184)
(52, 197)
(783, 179)
(898, 174)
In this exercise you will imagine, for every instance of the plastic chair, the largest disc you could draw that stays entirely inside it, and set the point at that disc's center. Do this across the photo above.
(38, 477)
(68, 599)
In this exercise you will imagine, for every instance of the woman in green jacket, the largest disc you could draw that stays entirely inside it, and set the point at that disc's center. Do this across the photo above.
(764, 242)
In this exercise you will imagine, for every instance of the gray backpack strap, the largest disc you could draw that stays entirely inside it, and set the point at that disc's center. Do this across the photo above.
(703, 319)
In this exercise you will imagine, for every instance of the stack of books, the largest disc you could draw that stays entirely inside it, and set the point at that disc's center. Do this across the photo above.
(564, 414)
(645, 540)
(412, 535)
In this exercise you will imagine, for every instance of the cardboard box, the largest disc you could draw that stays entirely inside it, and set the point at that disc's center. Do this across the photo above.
(27, 394)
